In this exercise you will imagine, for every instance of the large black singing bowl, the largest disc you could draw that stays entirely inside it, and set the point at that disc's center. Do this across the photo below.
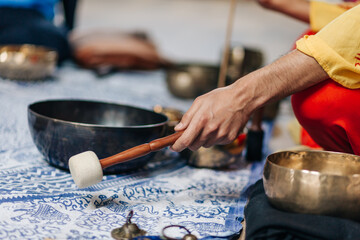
(63, 128)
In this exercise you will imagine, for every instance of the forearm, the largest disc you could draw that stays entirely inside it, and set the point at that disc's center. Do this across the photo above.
(299, 9)
(289, 74)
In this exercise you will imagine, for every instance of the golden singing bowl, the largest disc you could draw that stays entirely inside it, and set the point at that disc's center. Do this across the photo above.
(27, 62)
(189, 80)
(314, 182)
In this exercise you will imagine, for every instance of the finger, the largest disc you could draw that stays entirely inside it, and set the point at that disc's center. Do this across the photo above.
(184, 122)
(186, 119)
(229, 138)
(215, 141)
(222, 137)
(206, 143)
(188, 137)
(197, 143)
(210, 142)
(208, 135)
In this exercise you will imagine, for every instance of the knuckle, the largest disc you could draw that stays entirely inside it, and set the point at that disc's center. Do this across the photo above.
(197, 100)
(203, 119)
(212, 127)
(185, 117)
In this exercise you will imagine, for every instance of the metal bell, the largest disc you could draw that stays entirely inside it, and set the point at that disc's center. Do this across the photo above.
(189, 237)
(128, 230)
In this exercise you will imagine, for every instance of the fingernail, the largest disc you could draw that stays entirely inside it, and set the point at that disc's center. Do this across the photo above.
(179, 126)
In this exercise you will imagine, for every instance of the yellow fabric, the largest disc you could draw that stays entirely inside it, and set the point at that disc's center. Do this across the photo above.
(321, 13)
(337, 48)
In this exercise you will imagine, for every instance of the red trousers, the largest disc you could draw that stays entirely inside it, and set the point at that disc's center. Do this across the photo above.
(330, 113)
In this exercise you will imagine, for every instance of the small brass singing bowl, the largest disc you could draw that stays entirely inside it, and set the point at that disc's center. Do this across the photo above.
(314, 182)
(27, 62)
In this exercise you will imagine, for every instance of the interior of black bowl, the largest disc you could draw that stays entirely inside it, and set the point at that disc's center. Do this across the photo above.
(97, 113)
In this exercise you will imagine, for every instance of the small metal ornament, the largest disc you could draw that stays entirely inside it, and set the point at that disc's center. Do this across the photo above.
(128, 231)
(187, 236)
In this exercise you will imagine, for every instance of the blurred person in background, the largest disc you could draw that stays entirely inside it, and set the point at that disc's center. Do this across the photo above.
(32, 22)
(316, 13)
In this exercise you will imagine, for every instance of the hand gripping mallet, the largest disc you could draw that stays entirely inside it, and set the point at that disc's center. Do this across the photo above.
(86, 169)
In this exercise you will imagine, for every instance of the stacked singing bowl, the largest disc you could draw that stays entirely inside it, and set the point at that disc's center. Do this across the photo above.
(314, 182)
(63, 128)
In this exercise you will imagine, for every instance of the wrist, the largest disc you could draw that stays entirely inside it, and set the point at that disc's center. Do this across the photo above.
(249, 93)
(292, 73)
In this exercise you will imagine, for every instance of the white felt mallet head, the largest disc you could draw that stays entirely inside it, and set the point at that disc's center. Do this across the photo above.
(85, 169)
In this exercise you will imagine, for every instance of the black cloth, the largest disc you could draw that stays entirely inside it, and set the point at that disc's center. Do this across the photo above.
(263, 221)
(254, 145)
(28, 26)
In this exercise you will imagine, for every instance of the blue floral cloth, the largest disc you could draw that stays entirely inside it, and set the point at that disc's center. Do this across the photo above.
(38, 201)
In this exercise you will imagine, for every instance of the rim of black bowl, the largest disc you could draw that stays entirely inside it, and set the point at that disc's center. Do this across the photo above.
(91, 124)
(310, 171)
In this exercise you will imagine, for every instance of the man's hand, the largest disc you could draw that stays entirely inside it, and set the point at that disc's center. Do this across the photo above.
(214, 118)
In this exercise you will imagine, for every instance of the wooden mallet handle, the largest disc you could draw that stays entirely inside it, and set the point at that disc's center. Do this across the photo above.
(140, 150)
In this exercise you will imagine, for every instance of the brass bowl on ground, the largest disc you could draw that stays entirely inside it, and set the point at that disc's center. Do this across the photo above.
(314, 182)
(27, 62)
(189, 80)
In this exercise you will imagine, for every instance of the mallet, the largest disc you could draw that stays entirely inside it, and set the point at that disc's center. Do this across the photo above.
(86, 169)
